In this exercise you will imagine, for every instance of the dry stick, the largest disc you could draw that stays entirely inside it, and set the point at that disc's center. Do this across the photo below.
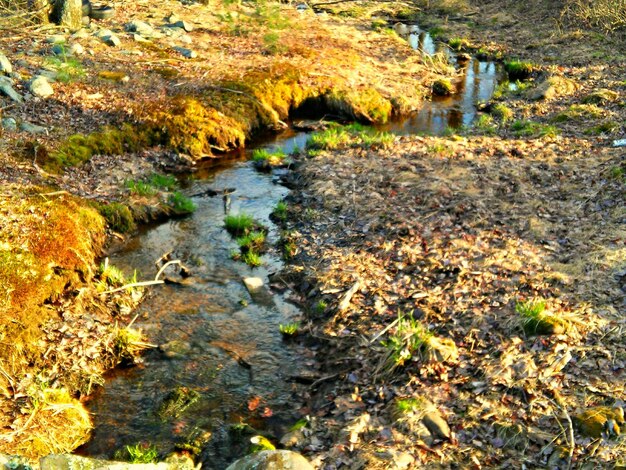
(570, 434)
(145, 283)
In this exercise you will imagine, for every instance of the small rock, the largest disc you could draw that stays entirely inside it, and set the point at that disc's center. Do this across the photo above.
(188, 27)
(9, 124)
(442, 87)
(58, 49)
(7, 88)
(185, 38)
(139, 38)
(187, 53)
(292, 438)
(40, 86)
(5, 65)
(172, 19)
(401, 29)
(437, 426)
(112, 40)
(56, 39)
(140, 27)
(33, 128)
(76, 49)
(80, 34)
(272, 460)
(253, 284)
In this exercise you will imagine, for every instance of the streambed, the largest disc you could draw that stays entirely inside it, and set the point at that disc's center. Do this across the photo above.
(220, 346)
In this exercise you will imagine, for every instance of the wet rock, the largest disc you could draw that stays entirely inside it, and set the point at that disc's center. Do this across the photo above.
(40, 86)
(9, 124)
(6, 88)
(253, 284)
(175, 349)
(442, 87)
(600, 420)
(32, 128)
(187, 53)
(401, 29)
(272, 460)
(72, 462)
(5, 65)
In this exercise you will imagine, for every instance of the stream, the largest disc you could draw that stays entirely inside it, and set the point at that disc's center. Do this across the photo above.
(221, 348)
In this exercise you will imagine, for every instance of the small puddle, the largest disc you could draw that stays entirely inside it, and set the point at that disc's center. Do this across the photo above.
(476, 83)
(225, 345)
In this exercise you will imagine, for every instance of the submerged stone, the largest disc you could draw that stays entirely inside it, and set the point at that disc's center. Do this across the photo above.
(272, 460)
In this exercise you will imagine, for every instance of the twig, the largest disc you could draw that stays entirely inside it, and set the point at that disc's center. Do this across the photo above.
(323, 379)
(387, 328)
(570, 435)
(345, 302)
(143, 283)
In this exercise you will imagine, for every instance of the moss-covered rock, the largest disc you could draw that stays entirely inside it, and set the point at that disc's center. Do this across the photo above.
(601, 96)
(442, 87)
(594, 422)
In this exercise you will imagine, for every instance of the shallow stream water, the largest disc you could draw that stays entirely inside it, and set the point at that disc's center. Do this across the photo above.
(227, 346)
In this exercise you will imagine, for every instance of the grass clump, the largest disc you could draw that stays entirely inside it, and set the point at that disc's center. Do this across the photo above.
(502, 112)
(180, 204)
(252, 259)
(601, 96)
(459, 44)
(288, 244)
(253, 241)
(166, 182)
(142, 452)
(264, 159)
(519, 70)
(289, 329)
(110, 276)
(127, 345)
(537, 321)
(68, 69)
(410, 336)
(239, 224)
(485, 124)
(280, 211)
(522, 128)
(140, 188)
(118, 216)
(607, 127)
(579, 112)
(329, 139)
(320, 307)
(510, 88)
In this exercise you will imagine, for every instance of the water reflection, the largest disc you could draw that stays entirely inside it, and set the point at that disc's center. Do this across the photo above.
(477, 81)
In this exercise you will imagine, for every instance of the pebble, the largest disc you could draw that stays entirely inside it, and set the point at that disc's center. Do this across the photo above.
(5, 64)
(187, 53)
(253, 284)
(188, 27)
(140, 27)
(112, 40)
(56, 39)
(76, 49)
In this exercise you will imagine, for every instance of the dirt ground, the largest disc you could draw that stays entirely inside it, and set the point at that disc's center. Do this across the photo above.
(460, 233)
(415, 257)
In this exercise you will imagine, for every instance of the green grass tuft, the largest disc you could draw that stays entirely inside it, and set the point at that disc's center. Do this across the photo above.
(180, 204)
(238, 224)
(519, 70)
(290, 329)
